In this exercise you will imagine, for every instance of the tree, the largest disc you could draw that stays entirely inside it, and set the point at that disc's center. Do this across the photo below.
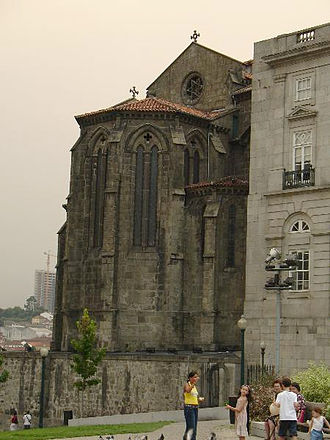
(30, 304)
(5, 373)
(18, 314)
(87, 356)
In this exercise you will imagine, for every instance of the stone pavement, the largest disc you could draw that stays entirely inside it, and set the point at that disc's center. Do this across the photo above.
(221, 428)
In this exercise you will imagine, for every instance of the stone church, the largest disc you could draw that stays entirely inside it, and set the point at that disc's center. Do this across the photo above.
(160, 228)
(154, 242)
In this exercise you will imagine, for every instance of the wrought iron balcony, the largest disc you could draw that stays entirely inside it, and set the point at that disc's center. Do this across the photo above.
(298, 179)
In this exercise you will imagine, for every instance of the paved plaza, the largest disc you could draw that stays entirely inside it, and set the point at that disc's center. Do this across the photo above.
(221, 428)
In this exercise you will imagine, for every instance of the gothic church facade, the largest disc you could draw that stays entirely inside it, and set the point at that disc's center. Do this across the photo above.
(154, 242)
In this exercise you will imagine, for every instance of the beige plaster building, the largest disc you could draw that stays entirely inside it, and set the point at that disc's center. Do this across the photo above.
(289, 196)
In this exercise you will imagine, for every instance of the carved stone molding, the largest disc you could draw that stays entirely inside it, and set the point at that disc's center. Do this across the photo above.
(301, 112)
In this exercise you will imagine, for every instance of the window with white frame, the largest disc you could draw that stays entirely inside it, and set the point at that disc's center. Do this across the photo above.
(302, 150)
(303, 88)
(301, 275)
(300, 226)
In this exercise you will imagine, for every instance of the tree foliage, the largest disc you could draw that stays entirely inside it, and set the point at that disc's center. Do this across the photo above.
(315, 384)
(31, 304)
(5, 373)
(18, 314)
(87, 356)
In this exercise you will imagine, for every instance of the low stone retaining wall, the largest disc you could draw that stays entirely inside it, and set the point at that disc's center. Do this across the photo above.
(258, 430)
(130, 384)
(216, 413)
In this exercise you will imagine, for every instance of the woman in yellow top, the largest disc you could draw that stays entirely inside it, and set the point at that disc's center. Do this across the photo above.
(191, 401)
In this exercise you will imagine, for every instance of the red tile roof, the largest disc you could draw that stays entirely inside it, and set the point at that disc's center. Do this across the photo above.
(225, 182)
(243, 90)
(153, 104)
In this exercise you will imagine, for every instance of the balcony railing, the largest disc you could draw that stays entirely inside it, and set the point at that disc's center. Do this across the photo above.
(298, 179)
(305, 36)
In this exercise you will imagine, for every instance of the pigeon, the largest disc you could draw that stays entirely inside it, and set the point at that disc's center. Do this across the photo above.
(213, 436)
(144, 437)
(161, 437)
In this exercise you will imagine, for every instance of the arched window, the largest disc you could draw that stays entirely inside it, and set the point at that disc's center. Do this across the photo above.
(98, 194)
(231, 236)
(138, 205)
(300, 226)
(152, 214)
(100, 183)
(196, 167)
(186, 167)
(145, 204)
(300, 247)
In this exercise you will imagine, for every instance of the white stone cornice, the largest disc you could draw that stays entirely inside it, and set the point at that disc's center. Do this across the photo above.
(301, 50)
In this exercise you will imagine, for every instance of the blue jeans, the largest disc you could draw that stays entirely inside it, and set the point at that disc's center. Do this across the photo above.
(191, 416)
(316, 435)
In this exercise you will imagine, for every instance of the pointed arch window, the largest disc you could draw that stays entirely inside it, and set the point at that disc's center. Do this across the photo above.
(196, 167)
(101, 169)
(152, 214)
(231, 236)
(145, 197)
(139, 177)
(186, 167)
(99, 195)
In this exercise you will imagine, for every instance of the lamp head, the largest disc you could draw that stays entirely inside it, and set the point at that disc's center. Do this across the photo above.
(44, 352)
(262, 345)
(274, 254)
(242, 323)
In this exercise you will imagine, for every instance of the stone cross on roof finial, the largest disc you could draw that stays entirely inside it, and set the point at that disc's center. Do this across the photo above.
(133, 91)
(194, 36)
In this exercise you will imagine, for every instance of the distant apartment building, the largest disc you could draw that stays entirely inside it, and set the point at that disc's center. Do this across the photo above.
(44, 289)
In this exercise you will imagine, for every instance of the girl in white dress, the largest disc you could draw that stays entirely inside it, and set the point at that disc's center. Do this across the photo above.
(241, 411)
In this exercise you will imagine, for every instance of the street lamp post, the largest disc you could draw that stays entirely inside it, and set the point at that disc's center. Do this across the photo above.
(44, 354)
(242, 323)
(273, 264)
(262, 348)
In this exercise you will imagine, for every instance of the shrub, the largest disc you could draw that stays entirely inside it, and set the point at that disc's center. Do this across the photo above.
(262, 397)
(315, 384)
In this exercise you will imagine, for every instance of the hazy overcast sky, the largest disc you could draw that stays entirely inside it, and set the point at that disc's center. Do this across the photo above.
(60, 58)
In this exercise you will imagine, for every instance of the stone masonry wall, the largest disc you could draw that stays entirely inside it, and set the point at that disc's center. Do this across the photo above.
(130, 383)
(211, 65)
(277, 115)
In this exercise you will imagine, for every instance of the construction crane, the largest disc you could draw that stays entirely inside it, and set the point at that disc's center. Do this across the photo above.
(46, 296)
